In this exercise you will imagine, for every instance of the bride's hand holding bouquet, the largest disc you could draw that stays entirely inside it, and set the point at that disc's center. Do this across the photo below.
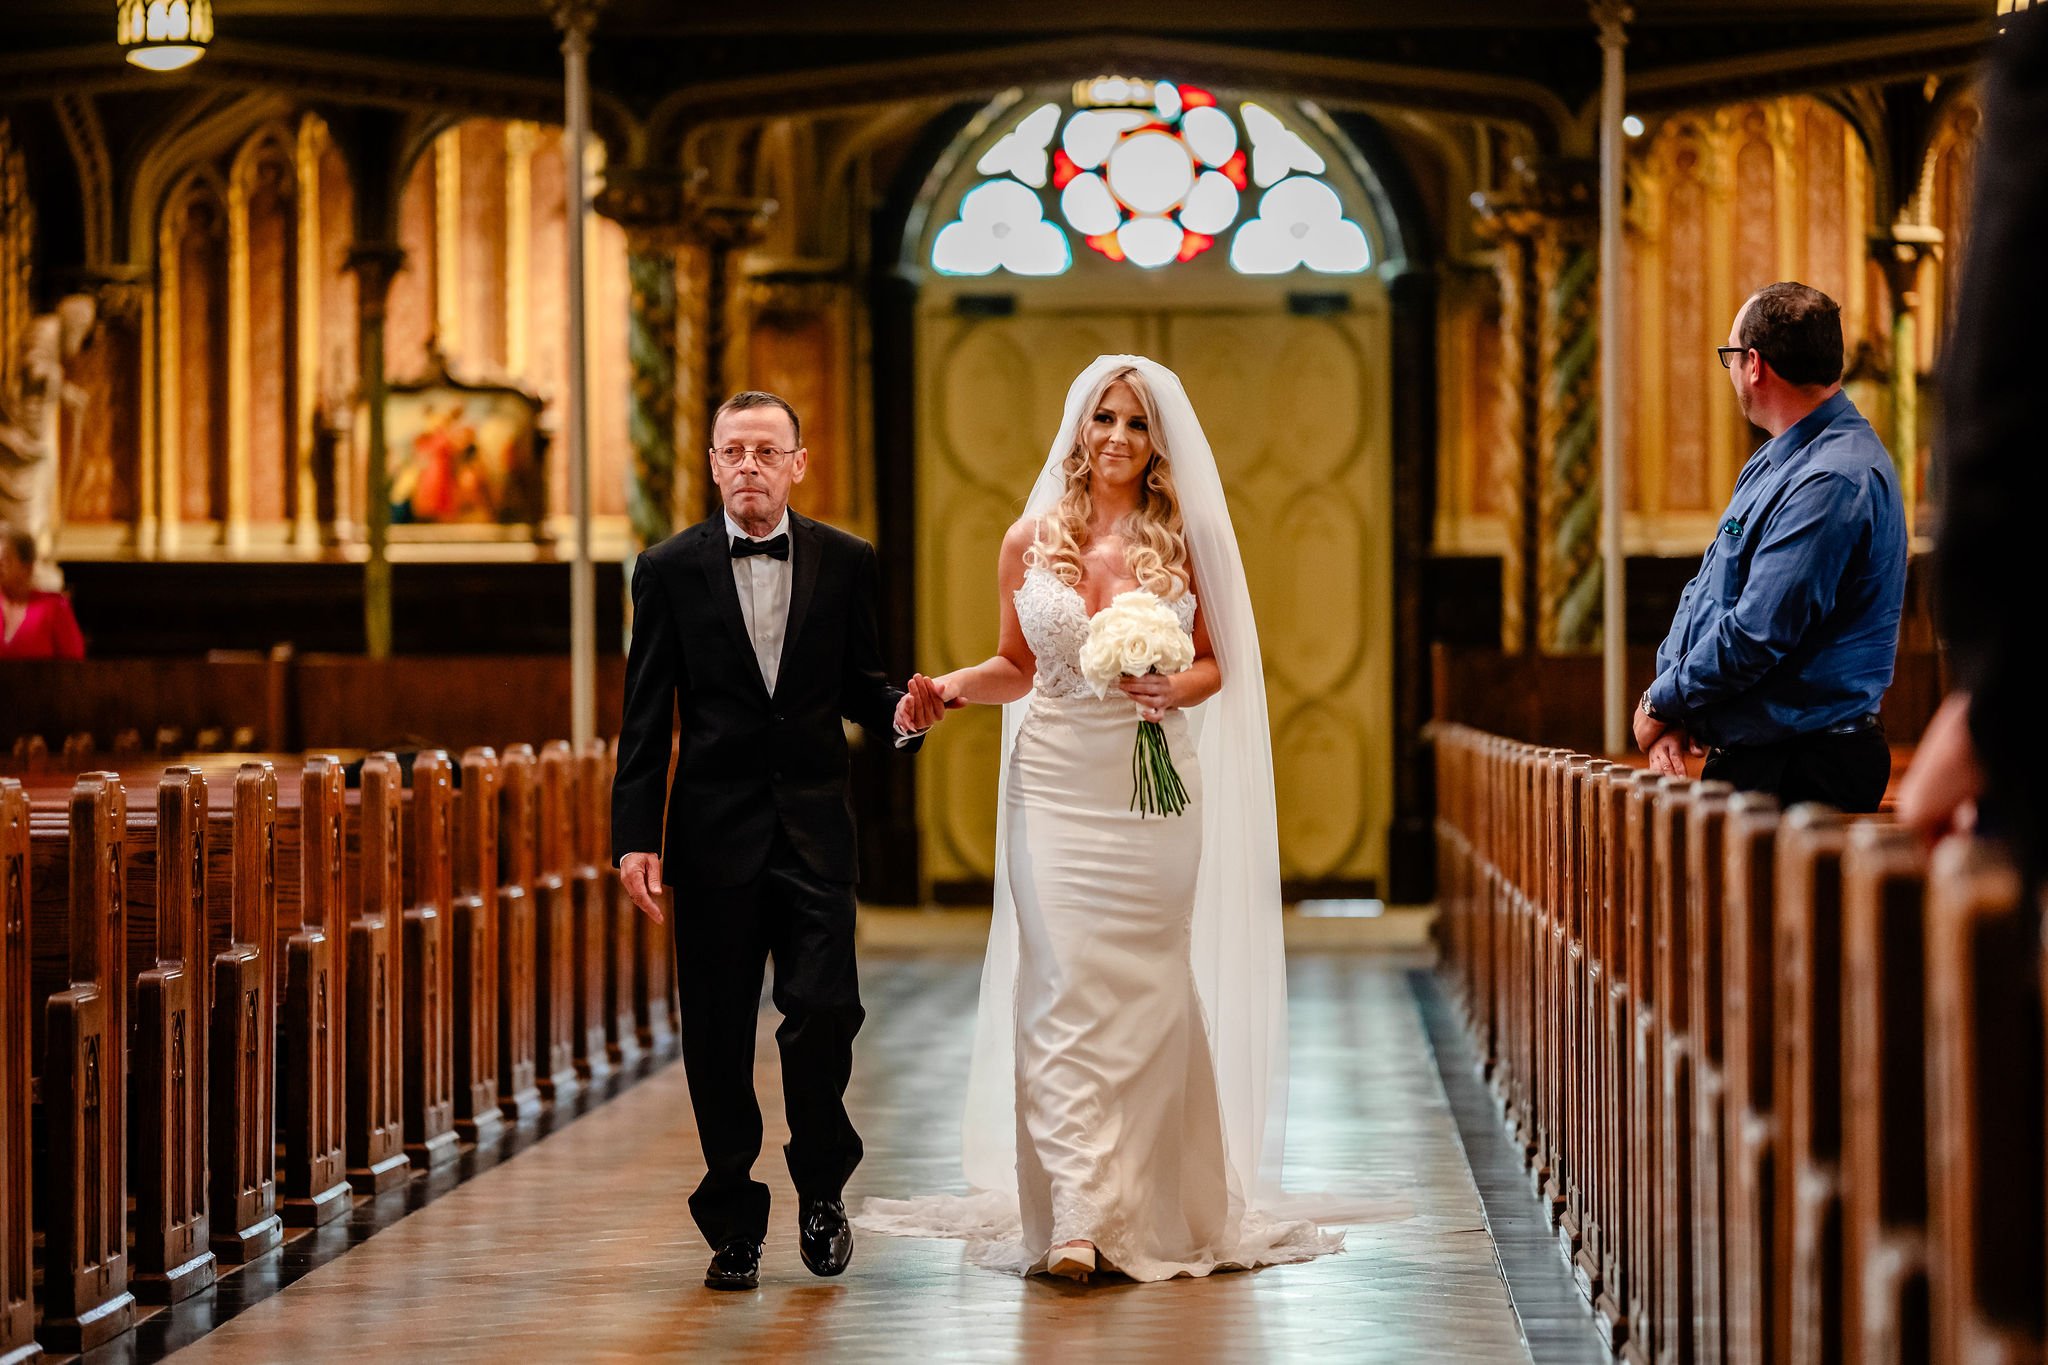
(1136, 643)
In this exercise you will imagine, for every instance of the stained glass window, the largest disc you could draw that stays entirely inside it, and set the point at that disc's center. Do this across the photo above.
(1150, 172)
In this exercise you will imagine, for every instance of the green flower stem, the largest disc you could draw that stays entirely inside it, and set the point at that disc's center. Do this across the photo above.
(1156, 788)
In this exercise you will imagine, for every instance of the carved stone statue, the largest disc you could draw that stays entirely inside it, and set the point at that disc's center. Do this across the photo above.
(30, 425)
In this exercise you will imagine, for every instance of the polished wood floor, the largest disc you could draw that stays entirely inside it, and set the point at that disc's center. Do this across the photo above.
(581, 1248)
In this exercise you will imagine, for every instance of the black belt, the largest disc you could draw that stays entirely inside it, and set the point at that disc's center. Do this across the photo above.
(1847, 727)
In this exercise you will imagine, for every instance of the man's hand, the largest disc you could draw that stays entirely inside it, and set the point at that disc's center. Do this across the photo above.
(1939, 792)
(922, 707)
(640, 873)
(1667, 752)
(1647, 728)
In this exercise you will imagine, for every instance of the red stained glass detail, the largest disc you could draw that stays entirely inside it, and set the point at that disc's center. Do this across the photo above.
(1194, 244)
(1108, 245)
(1063, 168)
(1195, 97)
(1235, 170)
(1155, 126)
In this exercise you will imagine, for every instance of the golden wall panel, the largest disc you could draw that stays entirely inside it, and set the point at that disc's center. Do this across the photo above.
(1296, 409)
(200, 359)
(273, 335)
(409, 319)
(610, 299)
(1721, 202)
(478, 150)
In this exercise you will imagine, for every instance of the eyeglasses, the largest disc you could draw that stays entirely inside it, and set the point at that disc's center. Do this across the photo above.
(1727, 354)
(732, 457)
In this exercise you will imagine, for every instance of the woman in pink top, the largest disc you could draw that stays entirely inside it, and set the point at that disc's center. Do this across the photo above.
(33, 625)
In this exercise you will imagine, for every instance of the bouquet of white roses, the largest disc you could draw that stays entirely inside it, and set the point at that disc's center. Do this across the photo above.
(1134, 635)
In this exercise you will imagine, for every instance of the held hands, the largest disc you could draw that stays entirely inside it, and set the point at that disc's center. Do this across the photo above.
(1153, 692)
(640, 874)
(923, 706)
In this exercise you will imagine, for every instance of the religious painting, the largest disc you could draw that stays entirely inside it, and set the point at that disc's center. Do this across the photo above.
(464, 457)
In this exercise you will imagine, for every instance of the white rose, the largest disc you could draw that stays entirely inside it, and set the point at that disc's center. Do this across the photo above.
(1135, 634)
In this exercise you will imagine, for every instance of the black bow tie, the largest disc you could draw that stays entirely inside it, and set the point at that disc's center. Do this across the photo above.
(777, 548)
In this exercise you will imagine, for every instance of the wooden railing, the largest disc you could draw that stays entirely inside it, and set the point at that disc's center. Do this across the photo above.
(284, 986)
(1777, 1076)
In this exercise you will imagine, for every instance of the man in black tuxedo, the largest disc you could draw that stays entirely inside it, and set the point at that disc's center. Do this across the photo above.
(757, 630)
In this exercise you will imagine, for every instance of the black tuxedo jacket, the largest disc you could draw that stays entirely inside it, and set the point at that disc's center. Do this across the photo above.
(747, 761)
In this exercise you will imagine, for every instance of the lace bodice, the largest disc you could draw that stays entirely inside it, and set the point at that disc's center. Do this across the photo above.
(1055, 623)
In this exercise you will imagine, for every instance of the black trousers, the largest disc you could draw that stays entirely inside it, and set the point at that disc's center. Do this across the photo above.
(724, 936)
(1848, 772)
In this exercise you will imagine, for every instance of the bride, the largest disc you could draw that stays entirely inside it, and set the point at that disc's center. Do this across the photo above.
(1128, 1089)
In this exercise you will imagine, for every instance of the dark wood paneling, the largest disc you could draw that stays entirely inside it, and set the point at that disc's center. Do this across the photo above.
(129, 609)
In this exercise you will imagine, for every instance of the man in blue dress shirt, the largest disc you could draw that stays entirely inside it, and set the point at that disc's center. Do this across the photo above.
(1784, 641)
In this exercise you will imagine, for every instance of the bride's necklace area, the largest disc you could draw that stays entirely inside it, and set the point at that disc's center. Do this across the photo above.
(1102, 561)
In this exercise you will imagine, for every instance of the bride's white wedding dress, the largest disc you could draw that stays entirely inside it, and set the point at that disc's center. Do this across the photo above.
(1120, 1135)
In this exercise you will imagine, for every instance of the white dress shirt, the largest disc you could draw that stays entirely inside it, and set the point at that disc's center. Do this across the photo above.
(763, 584)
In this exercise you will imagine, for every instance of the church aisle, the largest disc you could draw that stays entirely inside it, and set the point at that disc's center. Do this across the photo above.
(581, 1248)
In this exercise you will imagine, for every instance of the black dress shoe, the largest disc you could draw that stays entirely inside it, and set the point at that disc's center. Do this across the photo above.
(824, 1236)
(736, 1266)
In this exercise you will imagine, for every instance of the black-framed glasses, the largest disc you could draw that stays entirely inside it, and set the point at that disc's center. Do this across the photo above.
(732, 457)
(1727, 354)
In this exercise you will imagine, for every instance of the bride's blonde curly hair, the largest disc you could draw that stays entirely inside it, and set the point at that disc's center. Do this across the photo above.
(1155, 537)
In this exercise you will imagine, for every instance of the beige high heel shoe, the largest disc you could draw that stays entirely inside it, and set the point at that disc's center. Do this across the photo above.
(1074, 1261)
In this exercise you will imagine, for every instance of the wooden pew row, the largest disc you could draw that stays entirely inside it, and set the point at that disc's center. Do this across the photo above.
(254, 981)
(1778, 1081)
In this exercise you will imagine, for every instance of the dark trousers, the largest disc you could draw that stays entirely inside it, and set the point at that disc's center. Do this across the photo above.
(1848, 772)
(724, 936)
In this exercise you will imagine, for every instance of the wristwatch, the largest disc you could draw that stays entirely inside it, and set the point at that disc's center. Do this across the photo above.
(1646, 708)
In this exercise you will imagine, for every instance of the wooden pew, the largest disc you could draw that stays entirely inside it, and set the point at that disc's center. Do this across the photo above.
(1755, 1331)
(1671, 828)
(590, 916)
(518, 1013)
(1984, 1081)
(474, 952)
(1886, 1118)
(1605, 1278)
(1639, 1236)
(245, 1219)
(554, 975)
(1569, 1030)
(84, 1089)
(315, 1187)
(621, 1006)
(1808, 1018)
(17, 1301)
(375, 1122)
(1705, 925)
(1704, 928)
(173, 1258)
(428, 1067)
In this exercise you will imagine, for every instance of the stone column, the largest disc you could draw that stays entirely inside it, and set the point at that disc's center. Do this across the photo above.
(1545, 231)
(650, 206)
(721, 229)
(375, 265)
(1899, 253)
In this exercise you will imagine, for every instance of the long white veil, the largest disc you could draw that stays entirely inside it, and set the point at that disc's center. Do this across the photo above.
(1239, 962)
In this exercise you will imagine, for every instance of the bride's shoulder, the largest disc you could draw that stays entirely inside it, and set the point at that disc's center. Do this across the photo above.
(1019, 538)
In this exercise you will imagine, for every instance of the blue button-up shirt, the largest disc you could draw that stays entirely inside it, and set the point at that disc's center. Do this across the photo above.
(1792, 623)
